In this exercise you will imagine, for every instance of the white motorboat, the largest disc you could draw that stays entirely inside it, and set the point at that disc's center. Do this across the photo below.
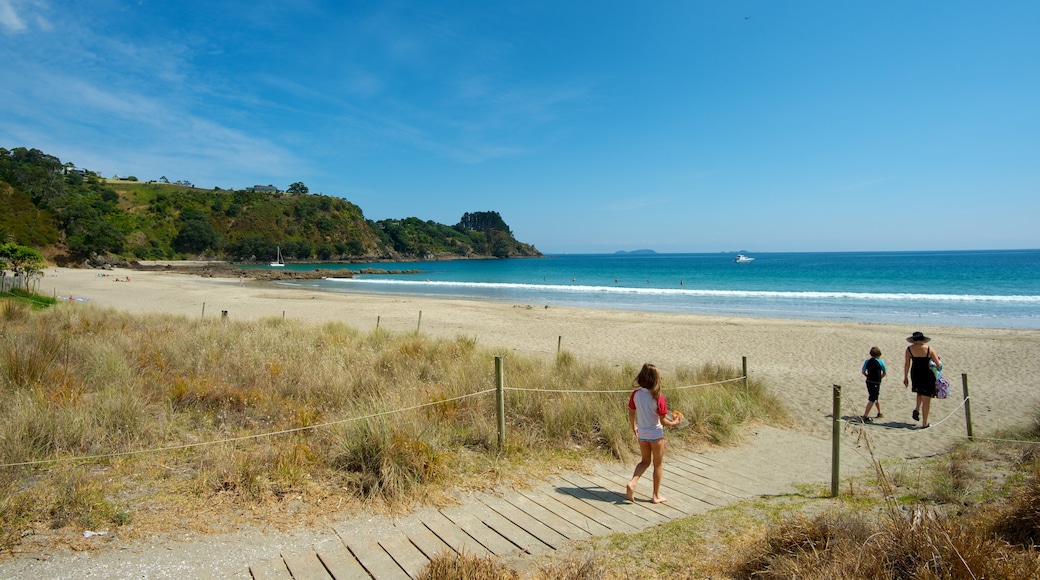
(278, 263)
(742, 259)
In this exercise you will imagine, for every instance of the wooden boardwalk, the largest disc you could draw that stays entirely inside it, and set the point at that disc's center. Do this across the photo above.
(540, 520)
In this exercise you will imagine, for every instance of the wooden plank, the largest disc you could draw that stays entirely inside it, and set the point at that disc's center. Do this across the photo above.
(613, 506)
(588, 506)
(453, 535)
(734, 483)
(698, 461)
(340, 563)
(602, 487)
(614, 492)
(374, 558)
(273, 569)
(547, 517)
(679, 484)
(529, 524)
(574, 511)
(682, 503)
(709, 480)
(423, 539)
(305, 566)
(694, 498)
(407, 556)
(516, 535)
(464, 518)
(704, 488)
(706, 464)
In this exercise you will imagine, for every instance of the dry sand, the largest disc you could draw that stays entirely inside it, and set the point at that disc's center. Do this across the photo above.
(799, 360)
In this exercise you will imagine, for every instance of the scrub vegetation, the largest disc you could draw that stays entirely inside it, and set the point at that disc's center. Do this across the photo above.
(167, 410)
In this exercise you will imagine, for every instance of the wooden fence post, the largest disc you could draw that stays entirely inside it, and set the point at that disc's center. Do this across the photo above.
(559, 344)
(747, 389)
(836, 441)
(419, 325)
(967, 406)
(500, 399)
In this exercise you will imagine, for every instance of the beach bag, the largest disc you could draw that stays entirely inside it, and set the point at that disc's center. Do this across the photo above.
(942, 387)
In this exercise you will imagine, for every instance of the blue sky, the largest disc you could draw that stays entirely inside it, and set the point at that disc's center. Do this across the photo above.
(591, 126)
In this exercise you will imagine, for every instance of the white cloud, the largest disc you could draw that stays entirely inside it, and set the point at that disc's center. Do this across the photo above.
(9, 18)
(14, 15)
(43, 23)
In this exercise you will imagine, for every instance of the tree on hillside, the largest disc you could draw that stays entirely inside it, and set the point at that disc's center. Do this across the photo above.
(483, 221)
(22, 222)
(35, 173)
(297, 187)
(26, 262)
(196, 234)
(87, 233)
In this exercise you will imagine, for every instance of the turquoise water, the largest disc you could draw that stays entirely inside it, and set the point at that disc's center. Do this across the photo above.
(998, 288)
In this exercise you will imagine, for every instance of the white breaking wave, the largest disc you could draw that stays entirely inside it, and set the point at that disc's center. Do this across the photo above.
(620, 290)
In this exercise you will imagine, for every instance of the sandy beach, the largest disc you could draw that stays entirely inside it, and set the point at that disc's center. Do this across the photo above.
(800, 360)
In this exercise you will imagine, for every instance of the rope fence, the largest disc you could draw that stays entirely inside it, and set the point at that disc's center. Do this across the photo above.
(500, 388)
(853, 421)
(243, 437)
(625, 391)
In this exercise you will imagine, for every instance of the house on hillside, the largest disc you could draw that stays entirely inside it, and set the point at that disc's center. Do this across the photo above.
(264, 189)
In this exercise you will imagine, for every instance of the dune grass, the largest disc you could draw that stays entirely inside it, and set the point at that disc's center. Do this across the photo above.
(169, 408)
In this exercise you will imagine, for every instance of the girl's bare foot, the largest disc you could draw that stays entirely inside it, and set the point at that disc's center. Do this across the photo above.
(630, 491)
(658, 499)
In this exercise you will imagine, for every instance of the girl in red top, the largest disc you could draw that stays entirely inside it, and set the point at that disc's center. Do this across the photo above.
(646, 413)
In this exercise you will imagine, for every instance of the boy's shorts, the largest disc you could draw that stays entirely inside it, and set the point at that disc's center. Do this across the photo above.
(873, 390)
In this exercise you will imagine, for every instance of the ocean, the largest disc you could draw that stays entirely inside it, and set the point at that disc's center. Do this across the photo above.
(992, 288)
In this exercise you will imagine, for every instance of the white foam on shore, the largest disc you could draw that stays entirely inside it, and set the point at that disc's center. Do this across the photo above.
(866, 296)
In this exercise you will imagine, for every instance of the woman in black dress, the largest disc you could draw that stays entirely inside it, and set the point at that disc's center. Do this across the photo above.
(916, 372)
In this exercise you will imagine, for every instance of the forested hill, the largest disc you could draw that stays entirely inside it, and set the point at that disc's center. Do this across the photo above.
(72, 214)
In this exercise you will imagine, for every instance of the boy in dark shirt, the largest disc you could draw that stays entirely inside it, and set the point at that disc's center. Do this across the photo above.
(874, 369)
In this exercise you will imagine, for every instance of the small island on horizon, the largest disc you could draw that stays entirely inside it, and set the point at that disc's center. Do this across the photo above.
(619, 252)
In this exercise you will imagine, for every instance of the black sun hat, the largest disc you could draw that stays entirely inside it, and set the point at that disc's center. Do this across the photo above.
(917, 336)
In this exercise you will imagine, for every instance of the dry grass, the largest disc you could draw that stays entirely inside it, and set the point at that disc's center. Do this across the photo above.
(920, 543)
(451, 566)
(79, 381)
(1018, 521)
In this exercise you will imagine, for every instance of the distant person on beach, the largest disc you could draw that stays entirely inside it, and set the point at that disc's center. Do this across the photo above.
(916, 372)
(647, 411)
(874, 369)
